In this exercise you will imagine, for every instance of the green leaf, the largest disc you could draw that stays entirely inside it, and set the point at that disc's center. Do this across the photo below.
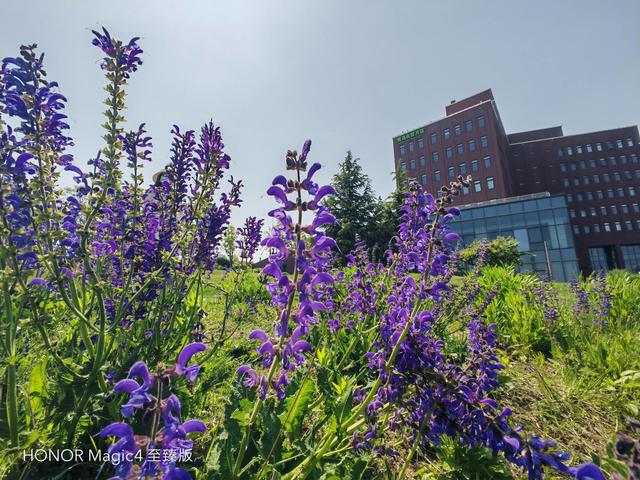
(37, 386)
(297, 406)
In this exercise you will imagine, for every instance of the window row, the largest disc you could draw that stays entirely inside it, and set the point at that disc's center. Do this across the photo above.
(457, 129)
(477, 184)
(606, 178)
(603, 162)
(599, 147)
(607, 227)
(610, 193)
(462, 168)
(604, 210)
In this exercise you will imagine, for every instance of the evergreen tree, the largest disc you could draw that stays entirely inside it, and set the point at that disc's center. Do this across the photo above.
(354, 205)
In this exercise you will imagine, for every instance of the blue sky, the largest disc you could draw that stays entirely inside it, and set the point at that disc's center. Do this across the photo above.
(349, 75)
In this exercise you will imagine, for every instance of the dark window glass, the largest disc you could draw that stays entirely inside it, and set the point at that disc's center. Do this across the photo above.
(490, 185)
(422, 162)
(436, 175)
(481, 122)
(446, 134)
(457, 129)
(463, 169)
(477, 186)
(474, 165)
(487, 161)
(435, 156)
(420, 143)
(452, 172)
(468, 126)
(449, 152)
(472, 145)
(401, 149)
(413, 164)
(484, 141)
(434, 138)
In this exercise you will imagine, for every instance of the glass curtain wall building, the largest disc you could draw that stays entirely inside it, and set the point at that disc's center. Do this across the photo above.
(532, 220)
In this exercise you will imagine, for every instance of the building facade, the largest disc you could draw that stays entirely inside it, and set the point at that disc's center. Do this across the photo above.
(598, 173)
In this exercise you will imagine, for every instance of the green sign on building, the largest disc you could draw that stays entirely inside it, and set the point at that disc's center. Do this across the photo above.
(408, 136)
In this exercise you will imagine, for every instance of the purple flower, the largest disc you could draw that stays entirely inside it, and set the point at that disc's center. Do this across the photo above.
(138, 392)
(190, 373)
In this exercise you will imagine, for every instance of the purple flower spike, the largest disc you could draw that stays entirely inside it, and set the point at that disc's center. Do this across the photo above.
(187, 352)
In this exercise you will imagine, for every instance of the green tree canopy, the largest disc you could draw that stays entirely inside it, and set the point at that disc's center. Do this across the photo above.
(503, 251)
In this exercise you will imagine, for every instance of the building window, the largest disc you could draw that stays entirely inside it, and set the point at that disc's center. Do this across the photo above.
(620, 192)
(606, 177)
(589, 148)
(632, 191)
(436, 175)
(424, 179)
(421, 143)
(612, 161)
(599, 194)
(573, 166)
(576, 181)
(578, 149)
(623, 159)
(603, 162)
(616, 176)
(587, 229)
(638, 174)
(446, 134)
(592, 162)
(603, 210)
(477, 186)
(634, 158)
(578, 197)
(474, 165)
(559, 152)
(435, 156)
(614, 209)
(572, 213)
(481, 122)
(484, 141)
(422, 161)
(403, 167)
(401, 149)
(583, 164)
(636, 208)
(607, 227)
(596, 228)
(628, 224)
(472, 145)
(589, 196)
(625, 208)
(452, 172)
(593, 211)
(490, 184)
(619, 143)
(463, 169)
(576, 230)
(410, 146)
(449, 152)
(629, 142)
(569, 198)
(458, 130)
(465, 190)
(468, 126)
(569, 150)
(585, 180)
(434, 138)
(596, 178)
(412, 164)
(565, 182)
(618, 227)
(460, 148)
(599, 147)
(610, 193)
(487, 161)
(563, 167)
(609, 145)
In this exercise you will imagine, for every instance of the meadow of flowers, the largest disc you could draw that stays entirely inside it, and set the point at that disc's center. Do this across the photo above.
(122, 336)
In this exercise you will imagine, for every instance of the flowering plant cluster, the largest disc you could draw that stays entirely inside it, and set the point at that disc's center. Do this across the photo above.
(594, 298)
(117, 265)
(167, 441)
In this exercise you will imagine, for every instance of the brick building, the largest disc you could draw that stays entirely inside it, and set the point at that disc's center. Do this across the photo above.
(597, 172)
